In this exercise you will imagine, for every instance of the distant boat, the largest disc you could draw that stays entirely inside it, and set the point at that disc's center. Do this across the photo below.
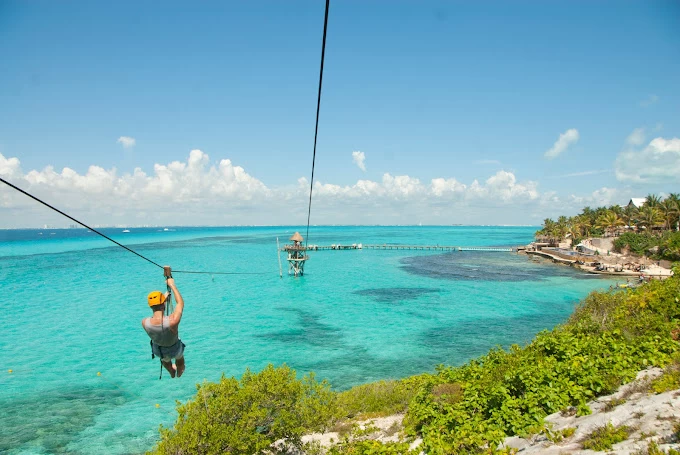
(126, 230)
(166, 229)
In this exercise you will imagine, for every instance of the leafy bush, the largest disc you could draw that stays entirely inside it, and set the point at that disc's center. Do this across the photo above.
(668, 244)
(379, 398)
(247, 416)
(605, 437)
(653, 449)
(558, 436)
(372, 448)
(638, 243)
(608, 339)
(669, 380)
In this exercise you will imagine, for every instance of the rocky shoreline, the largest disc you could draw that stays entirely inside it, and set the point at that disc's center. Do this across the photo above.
(652, 420)
(633, 269)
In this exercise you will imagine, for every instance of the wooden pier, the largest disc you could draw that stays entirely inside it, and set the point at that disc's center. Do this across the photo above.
(386, 246)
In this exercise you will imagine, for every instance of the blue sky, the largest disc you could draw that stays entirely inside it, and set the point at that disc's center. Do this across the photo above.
(458, 91)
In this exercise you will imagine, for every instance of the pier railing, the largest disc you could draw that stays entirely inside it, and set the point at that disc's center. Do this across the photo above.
(360, 246)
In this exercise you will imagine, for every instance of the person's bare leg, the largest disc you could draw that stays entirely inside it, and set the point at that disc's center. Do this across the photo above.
(170, 367)
(180, 366)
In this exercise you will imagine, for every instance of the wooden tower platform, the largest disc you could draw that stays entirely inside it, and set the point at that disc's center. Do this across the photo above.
(297, 255)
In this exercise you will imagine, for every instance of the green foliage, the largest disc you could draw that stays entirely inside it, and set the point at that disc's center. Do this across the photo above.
(379, 398)
(613, 403)
(605, 437)
(371, 448)
(636, 243)
(247, 416)
(558, 436)
(669, 380)
(667, 243)
(609, 338)
(653, 449)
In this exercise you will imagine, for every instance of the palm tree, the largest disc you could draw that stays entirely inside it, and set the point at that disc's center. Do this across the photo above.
(650, 217)
(609, 221)
(629, 214)
(652, 200)
(548, 229)
(669, 210)
(583, 225)
(616, 209)
(674, 199)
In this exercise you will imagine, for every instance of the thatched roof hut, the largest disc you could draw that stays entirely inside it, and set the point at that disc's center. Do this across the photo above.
(296, 237)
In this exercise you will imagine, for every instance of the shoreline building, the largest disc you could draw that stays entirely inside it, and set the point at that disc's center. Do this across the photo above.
(297, 255)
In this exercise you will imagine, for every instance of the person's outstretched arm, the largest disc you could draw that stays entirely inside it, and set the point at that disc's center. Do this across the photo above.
(176, 315)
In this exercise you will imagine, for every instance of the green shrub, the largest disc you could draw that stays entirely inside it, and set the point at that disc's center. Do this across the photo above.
(605, 437)
(610, 337)
(669, 380)
(613, 403)
(558, 436)
(668, 244)
(379, 398)
(638, 243)
(246, 416)
(372, 448)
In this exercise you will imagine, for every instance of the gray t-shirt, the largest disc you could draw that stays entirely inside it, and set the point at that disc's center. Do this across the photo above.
(161, 334)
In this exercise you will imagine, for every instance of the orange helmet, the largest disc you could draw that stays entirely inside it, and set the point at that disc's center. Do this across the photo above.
(156, 298)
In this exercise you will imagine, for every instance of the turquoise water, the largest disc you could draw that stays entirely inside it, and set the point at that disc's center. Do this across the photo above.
(72, 304)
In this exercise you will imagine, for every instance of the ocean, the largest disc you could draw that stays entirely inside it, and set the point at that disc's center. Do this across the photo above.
(76, 374)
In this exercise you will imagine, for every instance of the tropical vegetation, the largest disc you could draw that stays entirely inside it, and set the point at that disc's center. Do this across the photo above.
(651, 229)
(468, 409)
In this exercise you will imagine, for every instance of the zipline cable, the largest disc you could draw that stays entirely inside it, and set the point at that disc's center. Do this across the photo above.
(316, 129)
(79, 222)
(311, 183)
(117, 243)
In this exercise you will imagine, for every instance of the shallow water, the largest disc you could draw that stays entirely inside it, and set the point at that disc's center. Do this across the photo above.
(72, 305)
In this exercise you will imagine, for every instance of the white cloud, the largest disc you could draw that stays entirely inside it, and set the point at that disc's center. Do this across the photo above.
(198, 190)
(503, 186)
(659, 162)
(567, 138)
(442, 187)
(359, 158)
(637, 137)
(651, 99)
(9, 167)
(127, 141)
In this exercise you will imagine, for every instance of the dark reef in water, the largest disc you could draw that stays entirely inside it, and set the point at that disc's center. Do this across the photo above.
(471, 266)
(52, 419)
(395, 295)
(310, 331)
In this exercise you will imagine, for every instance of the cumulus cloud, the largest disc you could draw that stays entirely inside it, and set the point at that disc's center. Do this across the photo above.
(127, 141)
(658, 162)
(178, 187)
(651, 99)
(9, 167)
(359, 159)
(567, 138)
(198, 190)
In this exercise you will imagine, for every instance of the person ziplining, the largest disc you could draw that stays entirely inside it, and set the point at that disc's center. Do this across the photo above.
(164, 329)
